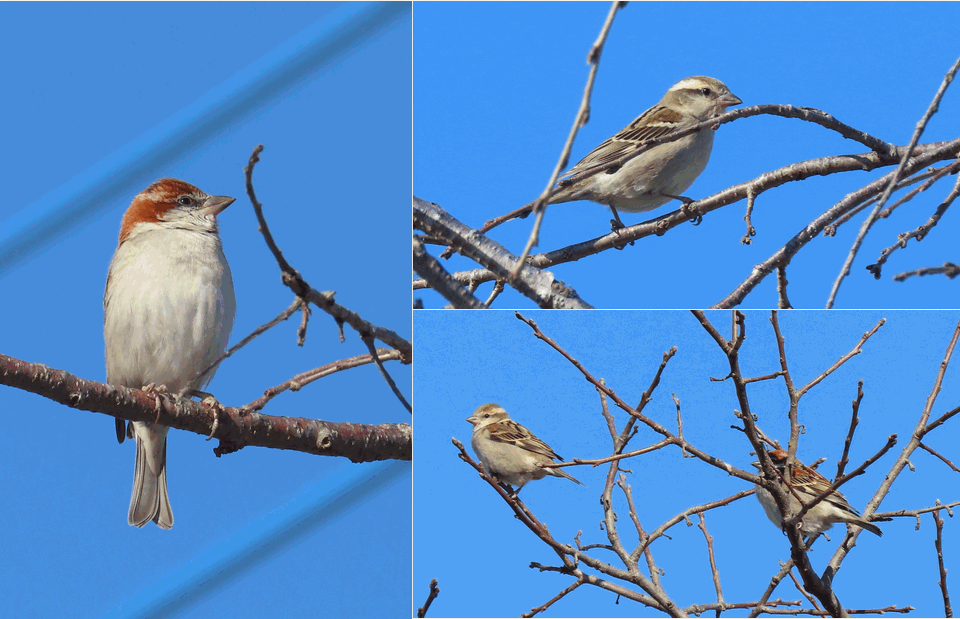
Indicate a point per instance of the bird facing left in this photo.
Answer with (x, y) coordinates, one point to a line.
(509, 451)
(168, 311)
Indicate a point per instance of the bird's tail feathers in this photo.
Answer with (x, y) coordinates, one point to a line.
(863, 524)
(562, 473)
(149, 499)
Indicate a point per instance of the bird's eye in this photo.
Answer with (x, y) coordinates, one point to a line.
(705, 92)
(184, 200)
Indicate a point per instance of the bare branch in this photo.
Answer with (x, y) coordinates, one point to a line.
(903, 460)
(782, 301)
(782, 257)
(234, 427)
(539, 609)
(854, 420)
(434, 592)
(583, 115)
(856, 350)
(440, 279)
(324, 300)
(297, 304)
(943, 459)
(860, 470)
(297, 382)
(368, 340)
(920, 232)
(947, 608)
(893, 180)
(540, 286)
(713, 560)
(949, 269)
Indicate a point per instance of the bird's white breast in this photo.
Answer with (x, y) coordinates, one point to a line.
(168, 309)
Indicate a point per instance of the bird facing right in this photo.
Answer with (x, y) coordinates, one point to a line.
(665, 171)
(807, 484)
(509, 451)
(168, 310)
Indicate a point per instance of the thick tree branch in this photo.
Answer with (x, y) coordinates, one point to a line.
(235, 427)
(540, 286)
(924, 155)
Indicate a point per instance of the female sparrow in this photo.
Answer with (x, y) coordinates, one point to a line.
(807, 485)
(168, 310)
(508, 451)
(658, 175)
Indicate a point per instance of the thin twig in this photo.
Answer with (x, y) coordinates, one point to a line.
(304, 378)
(676, 401)
(386, 375)
(916, 513)
(583, 115)
(297, 303)
(942, 458)
(803, 592)
(324, 300)
(678, 518)
(918, 233)
(761, 605)
(622, 456)
(892, 183)
(751, 231)
(902, 461)
(926, 180)
(938, 543)
(498, 287)
(854, 420)
(713, 560)
(539, 609)
(811, 230)
(949, 269)
(434, 592)
(856, 350)
(641, 534)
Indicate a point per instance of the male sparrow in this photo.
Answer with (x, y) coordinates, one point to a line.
(807, 484)
(168, 310)
(508, 451)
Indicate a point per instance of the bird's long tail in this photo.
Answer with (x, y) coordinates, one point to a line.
(149, 499)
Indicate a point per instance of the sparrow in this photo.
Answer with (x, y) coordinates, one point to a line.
(658, 175)
(168, 310)
(807, 484)
(510, 452)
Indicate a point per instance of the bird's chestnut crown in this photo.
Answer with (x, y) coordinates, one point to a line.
(176, 202)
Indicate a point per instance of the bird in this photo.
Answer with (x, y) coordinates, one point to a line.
(509, 451)
(658, 175)
(806, 485)
(168, 307)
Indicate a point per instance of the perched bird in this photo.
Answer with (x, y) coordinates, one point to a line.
(807, 484)
(168, 311)
(509, 451)
(658, 175)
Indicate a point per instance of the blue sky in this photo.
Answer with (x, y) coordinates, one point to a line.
(467, 537)
(497, 87)
(89, 84)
